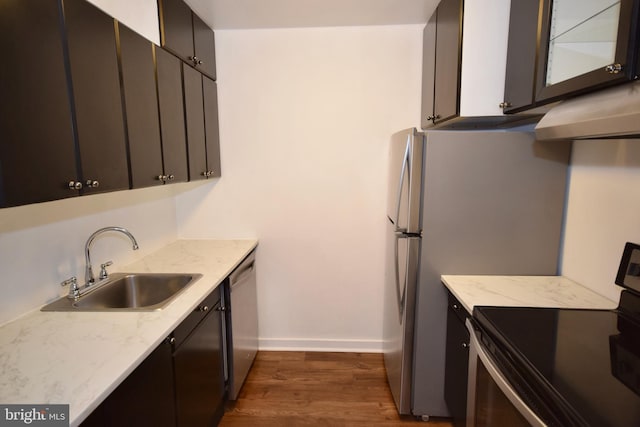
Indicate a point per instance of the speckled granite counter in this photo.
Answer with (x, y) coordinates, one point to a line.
(78, 358)
(524, 291)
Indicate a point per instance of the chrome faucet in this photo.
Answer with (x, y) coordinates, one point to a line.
(88, 273)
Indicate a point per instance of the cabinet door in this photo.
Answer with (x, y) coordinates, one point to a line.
(585, 46)
(176, 28)
(199, 374)
(448, 58)
(140, 100)
(204, 47)
(171, 104)
(194, 113)
(456, 364)
(521, 55)
(96, 93)
(428, 71)
(145, 397)
(210, 93)
(37, 152)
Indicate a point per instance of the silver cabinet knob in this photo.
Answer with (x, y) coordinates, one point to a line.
(204, 308)
(161, 178)
(92, 183)
(171, 177)
(75, 185)
(434, 117)
(207, 174)
(171, 340)
(465, 345)
(195, 60)
(504, 104)
(455, 306)
(613, 68)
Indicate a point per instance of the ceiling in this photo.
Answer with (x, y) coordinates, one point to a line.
(246, 14)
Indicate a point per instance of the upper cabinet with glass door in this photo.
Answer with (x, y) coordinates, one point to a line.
(586, 44)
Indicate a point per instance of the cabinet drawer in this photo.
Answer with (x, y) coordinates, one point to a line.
(199, 313)
(457, 308)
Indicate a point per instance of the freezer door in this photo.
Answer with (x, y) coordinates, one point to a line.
(405, 181)
(403, 254)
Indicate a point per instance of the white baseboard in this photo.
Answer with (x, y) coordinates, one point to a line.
(304, 344)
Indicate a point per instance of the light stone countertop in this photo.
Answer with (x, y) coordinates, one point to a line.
(524, 291)
(79, 358)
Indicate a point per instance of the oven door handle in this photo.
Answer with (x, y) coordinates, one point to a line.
(477, 352)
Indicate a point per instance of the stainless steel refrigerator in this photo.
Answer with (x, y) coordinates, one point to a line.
(460, 202)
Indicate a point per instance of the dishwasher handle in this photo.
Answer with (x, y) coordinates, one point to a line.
(246, 269)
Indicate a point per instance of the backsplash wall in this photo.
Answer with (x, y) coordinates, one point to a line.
(603, 211)
(43, 244)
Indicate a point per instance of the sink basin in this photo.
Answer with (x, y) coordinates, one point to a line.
(128, 292)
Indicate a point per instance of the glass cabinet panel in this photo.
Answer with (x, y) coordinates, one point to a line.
(585, 44)
(582, 37)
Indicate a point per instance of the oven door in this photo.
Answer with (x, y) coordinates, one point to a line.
(491, 400)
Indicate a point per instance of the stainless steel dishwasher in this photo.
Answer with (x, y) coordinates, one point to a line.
(243, 333)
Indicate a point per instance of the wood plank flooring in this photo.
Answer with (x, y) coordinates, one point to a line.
(317, 389)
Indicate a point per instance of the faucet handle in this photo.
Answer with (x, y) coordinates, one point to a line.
(103, 270)
(72, 282)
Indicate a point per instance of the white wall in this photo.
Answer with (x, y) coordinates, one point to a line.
(603, 211)
(305, 121)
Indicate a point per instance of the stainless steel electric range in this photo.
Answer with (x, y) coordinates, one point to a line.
(558, 367)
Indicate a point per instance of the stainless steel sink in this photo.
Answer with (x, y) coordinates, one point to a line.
(128, 292)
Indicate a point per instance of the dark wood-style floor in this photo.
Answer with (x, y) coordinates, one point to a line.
(317, 389)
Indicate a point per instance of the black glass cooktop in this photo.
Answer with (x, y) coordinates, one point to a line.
(587, 360)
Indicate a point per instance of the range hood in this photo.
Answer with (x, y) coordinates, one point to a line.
(608, 113)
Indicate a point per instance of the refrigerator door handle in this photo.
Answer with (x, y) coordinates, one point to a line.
(404, 171)
(400, 293)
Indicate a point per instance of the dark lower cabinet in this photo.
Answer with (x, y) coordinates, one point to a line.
(139, 94)
(95, 84)
(457, 362)
(37, 147)
(199, 373)
(145, 398)
(182, 383)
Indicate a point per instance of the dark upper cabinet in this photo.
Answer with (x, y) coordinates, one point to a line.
(37, 148)
(187, 36)
(448, 59)
(428, 71)
(442, 54)
(204, 46)
(572, 48)
(521, 55)
(194, 114)
(585, 46)
(171, 107)
(95, 84)
(201, 112)
(212, 134)
(140, 97)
